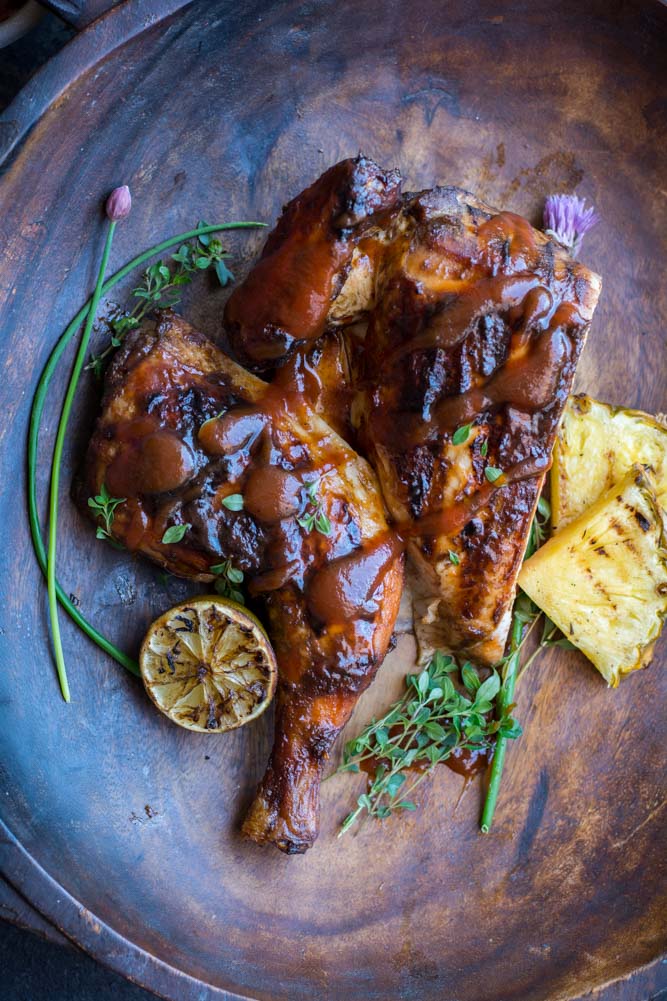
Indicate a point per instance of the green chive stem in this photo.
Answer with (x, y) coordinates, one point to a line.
(37, 411)
(505, 698)
(57, 462)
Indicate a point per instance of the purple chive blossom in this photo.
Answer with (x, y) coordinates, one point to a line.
(119, 204)
(568, 220)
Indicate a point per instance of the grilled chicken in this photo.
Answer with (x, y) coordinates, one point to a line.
(287, 296)
(478, 324)
(182, 427)
(474, 318)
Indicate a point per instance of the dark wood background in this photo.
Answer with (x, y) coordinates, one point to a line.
(120, 829)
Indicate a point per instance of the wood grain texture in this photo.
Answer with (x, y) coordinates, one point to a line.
(16, 910)
(223, 111)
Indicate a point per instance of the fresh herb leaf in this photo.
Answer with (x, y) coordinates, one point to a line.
(227, 577)
(233, 502)
(470, 678)
(492, 473)
(461, 434)
(431, 721)
(175, 533)
(322, 523)
(488, 690)
(104, 506)
(453, 558)
(160, 287)
(484, 450)
(223, 274)
(315, 518)
(539, 528)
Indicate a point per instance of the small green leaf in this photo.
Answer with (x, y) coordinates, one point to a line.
(311, 490)
(394, 783)
(453, 558)
(544, 508)
(492, 473)
(322, 523)
(235, 575)
(202, 263)
(435, 731)
(204, 238)
(488, 689)
(510, 728)
(461, 434)
(423, 682)
(175, 533)
(470, 678)
(484, 450)
(233, 502)
(223, 273)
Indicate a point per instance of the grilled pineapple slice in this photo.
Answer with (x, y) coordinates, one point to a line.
(603, 579)
(596, 446)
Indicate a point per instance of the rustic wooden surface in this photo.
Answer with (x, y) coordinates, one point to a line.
(122, 830)
(80, 13)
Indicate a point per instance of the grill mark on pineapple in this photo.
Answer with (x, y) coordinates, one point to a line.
(601, 551)
(599, 586)
(643, 522)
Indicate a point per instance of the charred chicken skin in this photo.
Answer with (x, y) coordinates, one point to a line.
(286, 298)
(182, 427)
(475, 319)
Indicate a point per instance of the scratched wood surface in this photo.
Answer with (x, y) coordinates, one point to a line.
(123, 830)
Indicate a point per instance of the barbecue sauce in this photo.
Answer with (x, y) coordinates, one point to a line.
(287, 296)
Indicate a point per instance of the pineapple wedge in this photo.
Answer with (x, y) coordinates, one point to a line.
(603, 579)
(596, 446)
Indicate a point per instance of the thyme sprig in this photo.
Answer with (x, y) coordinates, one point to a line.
(228, 578)
(104, 505)
(434, 719)
(427, 725)
(312, 516)
(161, 286)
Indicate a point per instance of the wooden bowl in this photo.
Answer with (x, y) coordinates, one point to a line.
(18, 20)
(122, 829)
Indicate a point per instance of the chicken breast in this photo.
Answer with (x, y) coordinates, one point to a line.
(473, 340)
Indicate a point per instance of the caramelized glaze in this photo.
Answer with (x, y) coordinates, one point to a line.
(287, 296)
(182, 428)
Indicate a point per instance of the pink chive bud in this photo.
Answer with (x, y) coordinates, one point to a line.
(568, 220)
(119, 204)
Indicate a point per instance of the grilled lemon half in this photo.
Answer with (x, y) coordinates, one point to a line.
(596, 446)
(602, 579)
(208, 665)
